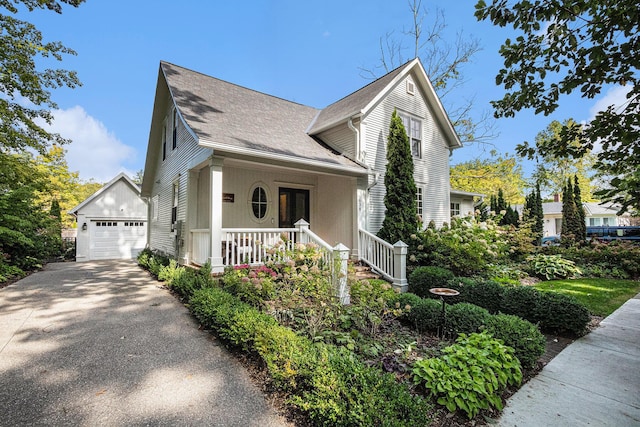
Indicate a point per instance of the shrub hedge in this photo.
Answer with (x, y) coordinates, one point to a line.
(424, 278)
(327, 382)
(465, 318)
(553, 312)
(523, 336)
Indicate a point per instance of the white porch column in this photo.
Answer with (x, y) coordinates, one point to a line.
(215, 170)
(340, 257)
(400, 266)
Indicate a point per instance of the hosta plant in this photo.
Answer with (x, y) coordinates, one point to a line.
(552, 266)
(471, 374)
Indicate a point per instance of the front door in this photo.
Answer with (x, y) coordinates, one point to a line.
(294, 205)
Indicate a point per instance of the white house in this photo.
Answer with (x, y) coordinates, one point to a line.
(462, 203)
(112, 222)
(226, 164)
(595, 214)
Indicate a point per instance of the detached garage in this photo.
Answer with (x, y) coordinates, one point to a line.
(112, 222)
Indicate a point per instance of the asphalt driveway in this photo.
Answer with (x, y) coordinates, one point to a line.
(99, 343)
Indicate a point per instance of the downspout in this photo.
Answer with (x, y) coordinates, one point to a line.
(357, 132)
(359, 159)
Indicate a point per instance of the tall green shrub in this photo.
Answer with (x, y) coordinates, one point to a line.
(523, 336)
(400, 219)
(424, 278)
(581, 225)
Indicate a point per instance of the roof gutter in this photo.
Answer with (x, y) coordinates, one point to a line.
(354, 171)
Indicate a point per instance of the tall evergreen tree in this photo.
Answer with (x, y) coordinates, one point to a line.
(569, 214)
(400, 219)
(533, 214)
(581, 227)
(501, 202)
(538, 213)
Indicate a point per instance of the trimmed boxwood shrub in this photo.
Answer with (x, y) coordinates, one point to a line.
(405, 299)
(523, 336)
(485, 293)
(465, 318)
(561, 313)
(424, 278)
(521, 301)
(426, 315)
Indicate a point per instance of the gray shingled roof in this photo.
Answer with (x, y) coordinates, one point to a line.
(227, 115)
(354, 103)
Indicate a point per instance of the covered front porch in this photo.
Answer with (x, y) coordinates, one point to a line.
(239, 212)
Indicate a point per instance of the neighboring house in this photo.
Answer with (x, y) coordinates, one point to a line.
(463, 203)
(112, 222)
(226, 164)
(595, 214)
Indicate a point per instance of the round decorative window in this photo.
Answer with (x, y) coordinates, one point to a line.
(259, 202)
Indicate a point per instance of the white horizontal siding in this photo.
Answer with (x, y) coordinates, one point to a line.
(342, 139)
(174, 168)
(432, 170)
(117, 201)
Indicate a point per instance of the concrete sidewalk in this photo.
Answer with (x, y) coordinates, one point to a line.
(595, 381)
(98, 343)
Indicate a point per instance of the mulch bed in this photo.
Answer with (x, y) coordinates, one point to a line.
(441, 416)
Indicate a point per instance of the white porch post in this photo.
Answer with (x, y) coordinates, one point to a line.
(302, 225)
(215, 170)
(340, 257)
(400, 266)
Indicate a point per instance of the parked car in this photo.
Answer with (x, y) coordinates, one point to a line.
(608, 233)
(550, 241)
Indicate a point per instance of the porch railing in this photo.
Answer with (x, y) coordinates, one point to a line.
(255, 246)
(201, 245)
(386, 259)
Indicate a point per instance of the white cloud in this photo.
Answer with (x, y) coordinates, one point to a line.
(94, 151)
(615, 96)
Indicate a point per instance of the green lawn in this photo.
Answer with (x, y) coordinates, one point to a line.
(601, 296)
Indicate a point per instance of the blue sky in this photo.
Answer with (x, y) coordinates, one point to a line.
(309, 52)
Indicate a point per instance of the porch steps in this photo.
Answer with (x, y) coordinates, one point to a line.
(361, 271)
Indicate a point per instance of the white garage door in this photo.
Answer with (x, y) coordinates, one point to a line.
(117, 239)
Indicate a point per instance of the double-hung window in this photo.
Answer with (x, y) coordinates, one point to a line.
(419, 201)
(174, 136)
(455, 209)
(174, 206)
(164, 142)
(413, 127)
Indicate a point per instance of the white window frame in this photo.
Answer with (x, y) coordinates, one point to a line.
(455, 207)
(174, 133)
(419, 201)
(164, 141)
(413, 127)
(266, 202)
(175, 199)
